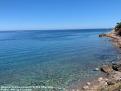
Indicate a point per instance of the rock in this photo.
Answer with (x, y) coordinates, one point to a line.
(88, 83)
(85, 87)
(103, 83)
(100, 79)
(116, 76)
(102, 35)
(116, 67)
(106, 68)
(106, 79)
(111, 82)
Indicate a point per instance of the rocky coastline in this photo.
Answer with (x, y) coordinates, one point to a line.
(110, 82)
(112, 79)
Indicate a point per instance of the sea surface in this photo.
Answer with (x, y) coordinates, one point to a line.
(53, 57)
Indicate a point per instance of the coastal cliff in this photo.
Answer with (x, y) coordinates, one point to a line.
(112, 79)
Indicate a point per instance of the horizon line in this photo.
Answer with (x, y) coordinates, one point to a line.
(52, 29)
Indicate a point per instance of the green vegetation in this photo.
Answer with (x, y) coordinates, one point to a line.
(118, 26)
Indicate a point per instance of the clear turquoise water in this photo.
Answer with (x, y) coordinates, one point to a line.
(54, 58)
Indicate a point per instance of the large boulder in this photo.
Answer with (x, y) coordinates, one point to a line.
(106, 68)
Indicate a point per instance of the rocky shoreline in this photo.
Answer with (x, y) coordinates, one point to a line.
(112, 79)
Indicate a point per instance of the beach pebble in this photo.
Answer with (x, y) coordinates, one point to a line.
(73, 89)
(100, 79)
(88, 83)
(106, 79)
(85, 87)
(105, 83)
(77, 90)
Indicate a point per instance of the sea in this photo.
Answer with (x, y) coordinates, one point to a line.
(58, 58)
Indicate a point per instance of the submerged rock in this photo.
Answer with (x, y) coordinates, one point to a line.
(96, 69)
(102, 35)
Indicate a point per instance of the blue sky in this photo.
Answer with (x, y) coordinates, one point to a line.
(58, 14)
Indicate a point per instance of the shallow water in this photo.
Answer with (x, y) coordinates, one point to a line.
(53, 57)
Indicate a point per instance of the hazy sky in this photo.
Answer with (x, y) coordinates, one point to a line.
(58, 14)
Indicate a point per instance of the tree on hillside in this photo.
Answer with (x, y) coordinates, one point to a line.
(118, 27)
